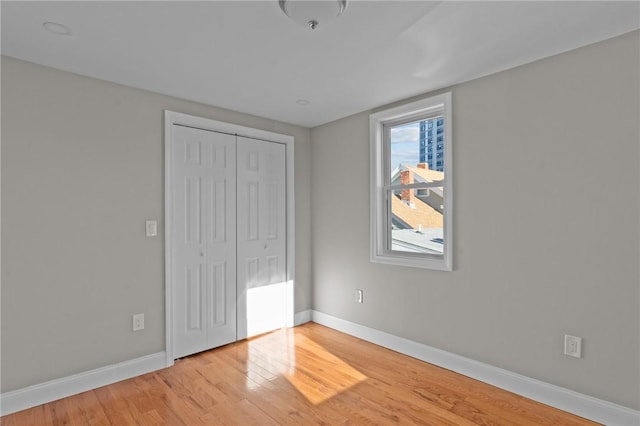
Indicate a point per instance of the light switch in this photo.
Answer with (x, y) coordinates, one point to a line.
(152, 228)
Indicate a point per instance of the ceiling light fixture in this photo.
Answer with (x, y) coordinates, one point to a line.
(303, 102)
(55, 28)
(312, 13)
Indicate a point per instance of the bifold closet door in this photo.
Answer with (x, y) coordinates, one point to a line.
(204, 239)
(261, 237)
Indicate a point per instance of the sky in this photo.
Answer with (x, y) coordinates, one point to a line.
(405, 145)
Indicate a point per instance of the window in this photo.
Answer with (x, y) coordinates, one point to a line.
(411, 200)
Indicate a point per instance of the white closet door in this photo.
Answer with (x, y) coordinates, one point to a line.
(204, 240)
(261, 236)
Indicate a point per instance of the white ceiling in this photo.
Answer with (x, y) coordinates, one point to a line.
(248, 56)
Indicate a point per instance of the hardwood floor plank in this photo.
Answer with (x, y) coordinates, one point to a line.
(405, 404)
(289, 408)
(41, 415)
(90, 409)
(310, 375)
(238, 413)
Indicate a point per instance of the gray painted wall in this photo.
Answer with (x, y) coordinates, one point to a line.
(82, 169)
(546, 225)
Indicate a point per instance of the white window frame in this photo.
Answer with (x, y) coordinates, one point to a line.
(380, 204)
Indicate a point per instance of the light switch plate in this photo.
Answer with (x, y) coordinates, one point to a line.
(152, 228)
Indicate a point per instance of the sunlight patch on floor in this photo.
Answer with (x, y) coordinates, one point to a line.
(315, 372)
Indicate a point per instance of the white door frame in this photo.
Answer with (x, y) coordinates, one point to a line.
(171, 118)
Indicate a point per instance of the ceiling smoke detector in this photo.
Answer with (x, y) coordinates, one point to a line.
(310, 13)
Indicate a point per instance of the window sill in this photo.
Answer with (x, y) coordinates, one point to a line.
(438, 263)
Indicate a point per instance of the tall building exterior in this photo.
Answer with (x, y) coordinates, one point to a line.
(432, 143)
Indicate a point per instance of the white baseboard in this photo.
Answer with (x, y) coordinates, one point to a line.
(35, 395)
(564, 399)
(302, 317)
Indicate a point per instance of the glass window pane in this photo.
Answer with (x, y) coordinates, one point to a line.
(405, 147)
(413, 145)
(417, 220)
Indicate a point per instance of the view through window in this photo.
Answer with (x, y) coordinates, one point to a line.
(416, 186)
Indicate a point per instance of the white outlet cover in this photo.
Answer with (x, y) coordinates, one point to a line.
(573, 346)
(138, 322)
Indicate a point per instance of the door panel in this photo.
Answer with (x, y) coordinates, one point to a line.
(261, 201)
(218, 295)
(204, 251)
(193, 303)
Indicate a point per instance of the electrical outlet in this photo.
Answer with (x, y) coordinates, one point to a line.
(573, 346)
(138, 322)
(151, 228)
(359, 295)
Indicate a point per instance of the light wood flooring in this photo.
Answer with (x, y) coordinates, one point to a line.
(310, 375)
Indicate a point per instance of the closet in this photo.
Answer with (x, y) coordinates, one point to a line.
(228, 237)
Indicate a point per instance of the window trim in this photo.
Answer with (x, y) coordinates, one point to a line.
(379, 217)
